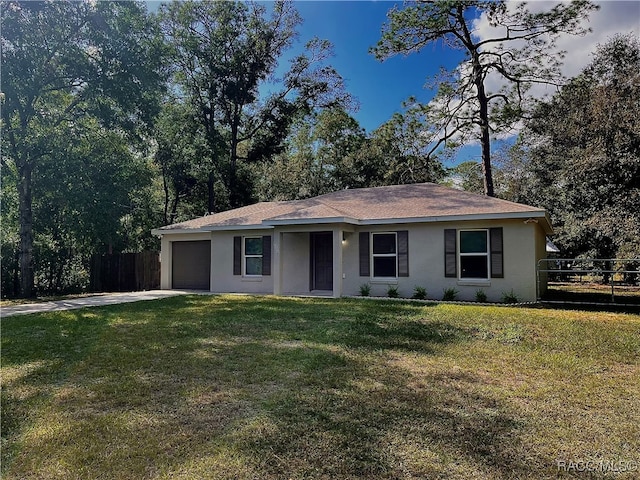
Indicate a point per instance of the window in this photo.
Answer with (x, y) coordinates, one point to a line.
(474, 254)
(387, 253)
(253, 255)
(384, 257)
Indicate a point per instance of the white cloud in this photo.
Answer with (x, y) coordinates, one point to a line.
(612, 18)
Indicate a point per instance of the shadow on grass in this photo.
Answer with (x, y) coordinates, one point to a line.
(38, 352)
(593, 297)
(228, 388)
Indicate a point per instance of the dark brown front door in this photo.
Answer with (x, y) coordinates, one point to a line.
(322, 261)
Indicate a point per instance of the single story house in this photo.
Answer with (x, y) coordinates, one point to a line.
(405, 236)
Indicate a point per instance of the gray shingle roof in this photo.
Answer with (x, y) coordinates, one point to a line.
(368, 205)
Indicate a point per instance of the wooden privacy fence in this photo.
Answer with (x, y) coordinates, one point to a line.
(125, 272)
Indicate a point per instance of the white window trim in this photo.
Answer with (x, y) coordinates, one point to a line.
(373, 255)
(245, 256)
(473, 280)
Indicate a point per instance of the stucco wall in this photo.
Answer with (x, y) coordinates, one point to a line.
(222, 278)
(426, 262)
(295, 263)
(523, 245)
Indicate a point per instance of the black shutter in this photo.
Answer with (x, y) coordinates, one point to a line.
(266, 255)
(450, 261)
(237, 255)
(403, 253)
(364, 254)
(497, 260)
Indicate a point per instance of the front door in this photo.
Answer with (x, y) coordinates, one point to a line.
(322, 261)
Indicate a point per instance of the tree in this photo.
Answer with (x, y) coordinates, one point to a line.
(330, 151)
(318, 159)
(181, 147)
(583, 155)
(466, 176)
(225, 52)
(521, 53)
(63, 61)
(399, 152)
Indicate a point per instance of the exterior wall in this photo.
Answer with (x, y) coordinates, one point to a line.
(426, 262)
(295, 263)
(541, 252)
(523, 245)
(222, 278)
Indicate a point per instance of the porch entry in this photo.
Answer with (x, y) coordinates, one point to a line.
(321, 261)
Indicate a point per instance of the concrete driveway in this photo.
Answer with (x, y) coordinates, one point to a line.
(93, 301)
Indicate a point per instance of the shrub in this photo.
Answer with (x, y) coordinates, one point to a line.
(365, 290)
(420, 293)
(481, 296)
(450, 294)
(510, 297)
(392, 291)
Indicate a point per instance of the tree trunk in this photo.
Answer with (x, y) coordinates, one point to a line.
(211, 204)
(25, 212)
(234, 197)
(485, 138)
(165, 186)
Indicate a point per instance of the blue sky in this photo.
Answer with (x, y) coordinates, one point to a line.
(380, 87)
(353, 27)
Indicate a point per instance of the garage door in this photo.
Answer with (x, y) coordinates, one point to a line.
(191, 265)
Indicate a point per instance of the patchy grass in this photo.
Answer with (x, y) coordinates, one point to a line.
(248, 387)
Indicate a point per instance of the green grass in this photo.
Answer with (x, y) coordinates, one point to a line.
(247, 387)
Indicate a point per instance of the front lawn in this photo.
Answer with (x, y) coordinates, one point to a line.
(256, 387)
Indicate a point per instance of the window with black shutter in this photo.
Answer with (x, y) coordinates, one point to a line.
(474, 253)
(384, 254)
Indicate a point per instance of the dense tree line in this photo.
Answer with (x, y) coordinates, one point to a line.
(116, 120)
(80, 83)
(579, 156)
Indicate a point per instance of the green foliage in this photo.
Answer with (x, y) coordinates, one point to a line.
(467, 176)
(224, 53)
(579, 158)
(329, 151)
(81, 84)
(481, 296)
(419, 293)
(365, 290)
(401, 151)
(450, 294)
(510, 297)
(463, 109)
(392, 291)
(184, 161)
(318, 158)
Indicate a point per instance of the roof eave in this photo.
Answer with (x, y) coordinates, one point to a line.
(310, 221)
(535, 214)
(541, 217)
(159, 232)
(223, 228)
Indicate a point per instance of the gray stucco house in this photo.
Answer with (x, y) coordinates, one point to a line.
(403, 235)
